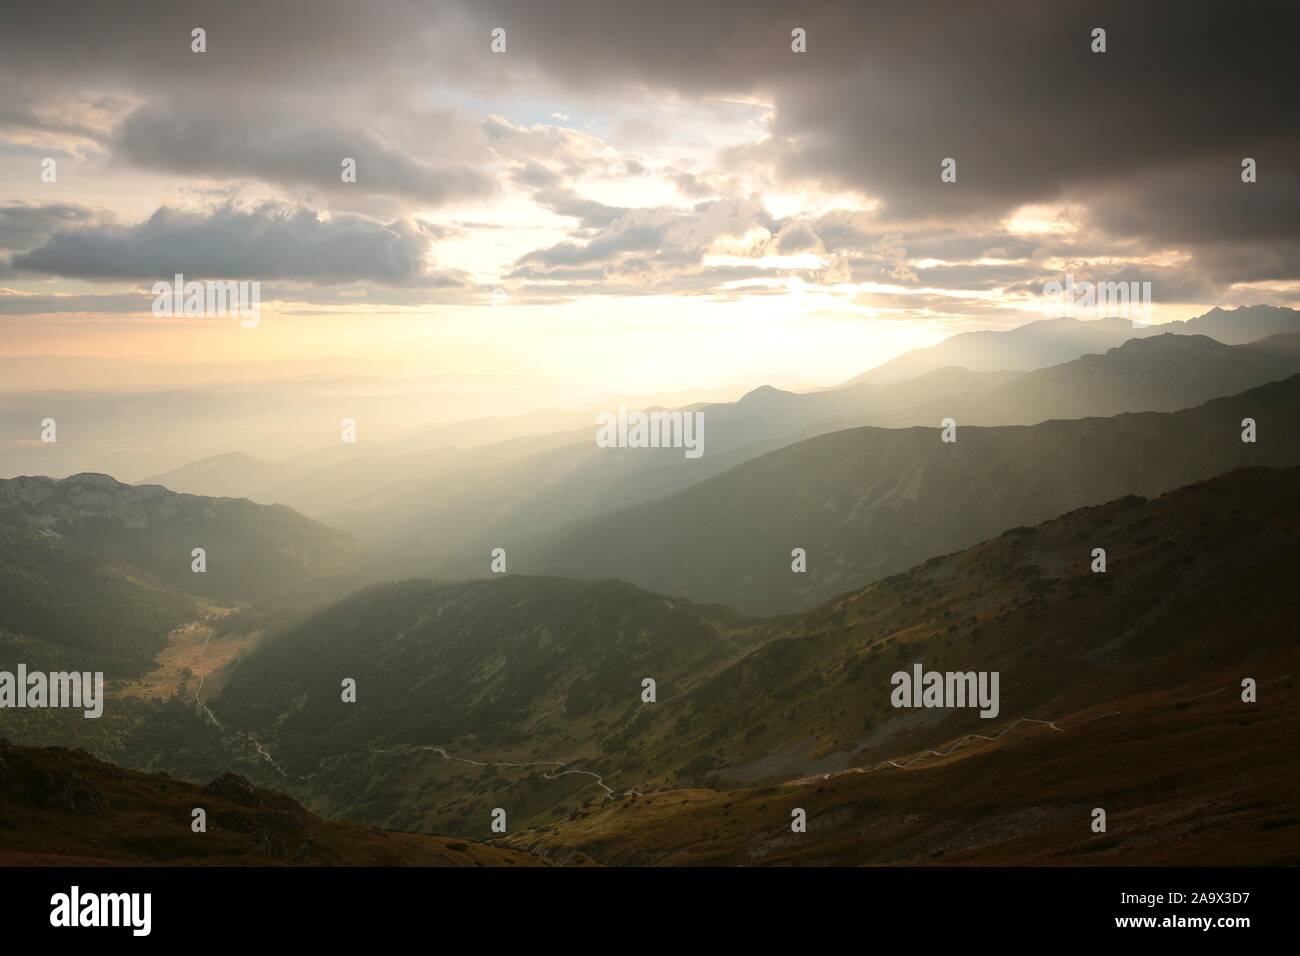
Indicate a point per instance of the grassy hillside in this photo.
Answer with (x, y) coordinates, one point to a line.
(1119, 690)
(510, 670)
(64, 807)
(524, 693)
(64, 598)
(1185, 780)
(252, 550)
(94, 574)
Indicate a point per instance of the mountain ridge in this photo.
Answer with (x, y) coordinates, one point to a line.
(868, 502)
(1047, 342)
(788, 698)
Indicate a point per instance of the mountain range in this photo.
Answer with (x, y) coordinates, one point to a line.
(1124, 690)
(1114, 535)
(1159, 373)
(528, 693)
(1053, 341)
(868, 502)
(448, 519)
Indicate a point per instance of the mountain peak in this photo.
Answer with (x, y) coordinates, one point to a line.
(1185, 341)
(763, 393)
(92, 479)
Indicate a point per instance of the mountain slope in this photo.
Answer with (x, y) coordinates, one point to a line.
(514, 669)
(252, 550)
(1158, 373)
(76, 608)
(450, 524)
(442, 511)
(1184, 782)
(447, 524)
(1120, 690)
(524, 693)
(865, 503)
(320, 481)
(94, 574)
(1053, 341)
(65, 808)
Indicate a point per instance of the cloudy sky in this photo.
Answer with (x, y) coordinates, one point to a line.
(632, 195)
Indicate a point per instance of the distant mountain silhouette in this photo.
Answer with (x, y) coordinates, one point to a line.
(869, 502)
(1053, 341)
(321, 481)
(441, 511)
(1161, 373)
(447, 523)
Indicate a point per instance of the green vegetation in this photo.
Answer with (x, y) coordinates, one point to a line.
(59, 594)
(90, 564)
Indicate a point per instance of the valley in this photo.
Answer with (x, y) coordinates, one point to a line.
(196, 654)
(1049, 683)
(727, 436)
(803, 701)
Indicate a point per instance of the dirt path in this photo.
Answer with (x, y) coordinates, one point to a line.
(902, 763)
(610, 793)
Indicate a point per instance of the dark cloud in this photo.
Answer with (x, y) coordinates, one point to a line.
(1175, 284)
(885, 91)
(251, 47)
(271, 241)
(1202, 202)
(1146, 138)
(290, 152)
(589, 213)
(25, 225)
(280, 95)
(979, 277)
(1152, 131)
(798, 238)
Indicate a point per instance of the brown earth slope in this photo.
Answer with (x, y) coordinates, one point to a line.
(1120, 691)
(63, 807)
(1184, 782)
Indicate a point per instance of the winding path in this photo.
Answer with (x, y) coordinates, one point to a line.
(901, 763)
(911, 759)
(610, 793)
